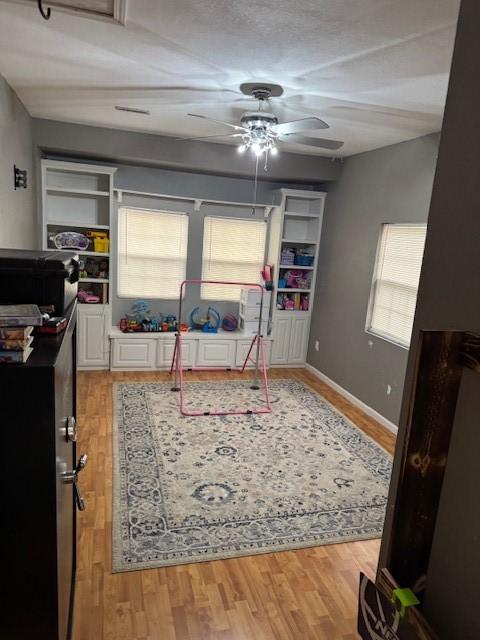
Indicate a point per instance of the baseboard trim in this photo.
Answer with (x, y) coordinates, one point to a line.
(353, 399)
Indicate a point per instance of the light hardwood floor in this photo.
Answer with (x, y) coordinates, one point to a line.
(290, 595)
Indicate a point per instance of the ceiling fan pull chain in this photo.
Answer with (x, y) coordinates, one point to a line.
(45, 13)
(255, 185)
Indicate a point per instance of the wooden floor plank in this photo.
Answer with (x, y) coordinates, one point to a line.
(292, 595)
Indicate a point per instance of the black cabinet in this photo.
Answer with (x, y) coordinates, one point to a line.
(37, 479)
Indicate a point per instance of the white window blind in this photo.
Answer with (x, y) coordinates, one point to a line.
(233, 250)
(395, 282)
(152, 253)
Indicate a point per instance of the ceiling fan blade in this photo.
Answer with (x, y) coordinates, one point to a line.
(305, 124)
(226, 124)
(323, 143)
(219, 135)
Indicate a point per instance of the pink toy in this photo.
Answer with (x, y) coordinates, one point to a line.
(304, 302)
(292, 278)
(87, 297)
(289, 305)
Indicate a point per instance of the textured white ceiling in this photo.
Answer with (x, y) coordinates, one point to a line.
(375, 70)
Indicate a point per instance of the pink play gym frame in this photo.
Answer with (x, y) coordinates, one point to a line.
(259, 362)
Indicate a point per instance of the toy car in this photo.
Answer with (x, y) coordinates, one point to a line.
(87, 297)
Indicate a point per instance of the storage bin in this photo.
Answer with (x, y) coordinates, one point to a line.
(253, 313)
(252, 297)
(304, 260)
(251, 326)
(282, 283)
(287, 257)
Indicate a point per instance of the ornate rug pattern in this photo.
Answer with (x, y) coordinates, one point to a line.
(187, 490)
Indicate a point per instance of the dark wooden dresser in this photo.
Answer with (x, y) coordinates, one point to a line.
(39, 496)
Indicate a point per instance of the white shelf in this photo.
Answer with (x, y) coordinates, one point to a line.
(100, 280)
(80, 225)
(293, 241)
(186, 335)
(300, 215)
(92, 253)
(78, 192)
(295, 266)
(294, 290)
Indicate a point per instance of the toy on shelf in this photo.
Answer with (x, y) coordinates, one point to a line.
(292, 277)
(305, 302)
(82, 272)
(71, 240)
(140, 319)
(87, 297)
(101, 243)
(171, 322)
(207, 324)
(229, 322)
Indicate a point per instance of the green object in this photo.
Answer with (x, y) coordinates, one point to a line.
(406, 598)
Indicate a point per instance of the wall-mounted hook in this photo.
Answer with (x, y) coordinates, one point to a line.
(44, 13)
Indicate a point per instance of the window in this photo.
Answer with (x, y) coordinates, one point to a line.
(152, 253)
(395, 281)
(233, 249)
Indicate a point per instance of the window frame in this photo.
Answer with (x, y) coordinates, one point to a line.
(248, 220)
(373, 286)
(118, 252)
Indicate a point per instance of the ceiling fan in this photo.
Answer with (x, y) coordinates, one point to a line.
(260, 131)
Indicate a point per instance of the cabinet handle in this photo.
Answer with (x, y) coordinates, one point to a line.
(71, 430)
(71, 477)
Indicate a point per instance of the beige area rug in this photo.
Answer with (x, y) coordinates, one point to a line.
(194, 489)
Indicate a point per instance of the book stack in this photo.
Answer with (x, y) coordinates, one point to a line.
(16, 326)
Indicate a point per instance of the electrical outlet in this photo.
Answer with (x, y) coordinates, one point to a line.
(317, 345)
(389, 389)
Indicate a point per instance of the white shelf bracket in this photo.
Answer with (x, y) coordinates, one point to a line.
(119, 196)
(266, 212)
(197, 204)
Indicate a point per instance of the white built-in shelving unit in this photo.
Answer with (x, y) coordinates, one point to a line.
(296, 223)
(78, 198)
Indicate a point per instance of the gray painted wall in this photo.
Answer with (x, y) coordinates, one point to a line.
(134, 148)
(392, 184)
(17, 208)
(449, 298)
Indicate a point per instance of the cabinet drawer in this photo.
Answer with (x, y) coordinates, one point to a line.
(165, 352)
(216, 353)
(242, 349)
(133, 354)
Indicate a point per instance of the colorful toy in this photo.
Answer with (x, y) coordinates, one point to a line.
(100, 239)
(171, 322)
(229, 322)
(292, 277)
(208, 324)
(305, 302)
(139, 311)
(87, 297)
(141, 319)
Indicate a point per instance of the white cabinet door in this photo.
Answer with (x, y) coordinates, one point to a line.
(165, 352)
(281, 340)
(298, 340)
(242, 349)
(133, 354)
(92, 336)
(216, 353)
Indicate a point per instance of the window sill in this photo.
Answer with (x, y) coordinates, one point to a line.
(387, 339)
